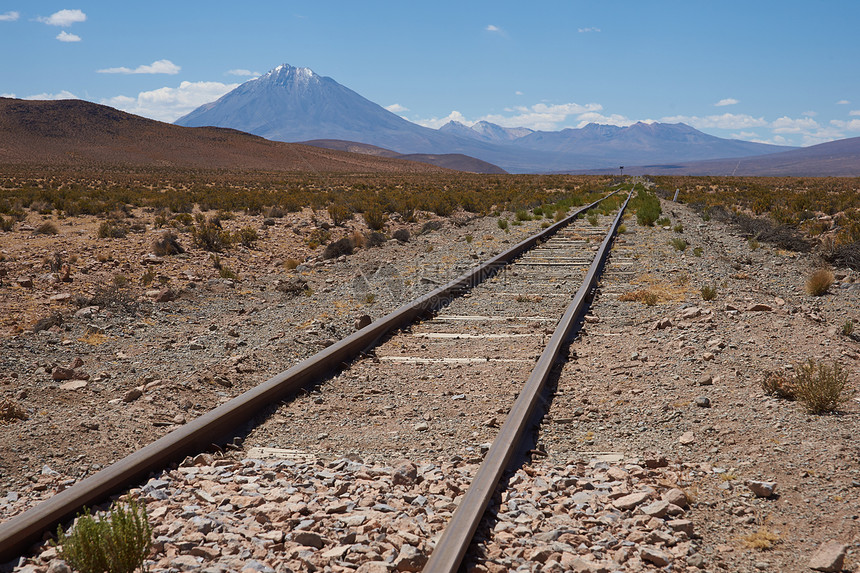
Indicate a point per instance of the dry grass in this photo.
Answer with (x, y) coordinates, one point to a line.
(645, 296)
(761, 539)
(777, 383)
(819, 282)
(11, 411)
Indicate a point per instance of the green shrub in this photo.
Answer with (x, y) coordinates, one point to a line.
(662, 222)
(592, 219)
(208, 234)
(698, 251)
(523, 215)
(375, 218)
(678, 243)
(503, 224)
(117, 542)
(7, 224)
(647, 207)
(339, 213)
(709, 292)
(819, 387)
(246, 236)
(112, 229)
(848, 327)
(753, 243)
(679, 228)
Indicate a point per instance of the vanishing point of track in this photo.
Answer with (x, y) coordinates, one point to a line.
(553, 257)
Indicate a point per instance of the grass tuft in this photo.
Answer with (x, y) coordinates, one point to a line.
(819, 282)
(820, 387)
(118, 541)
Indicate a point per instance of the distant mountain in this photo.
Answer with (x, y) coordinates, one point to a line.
(839, 158)
(83, 134)
(295, 104)
(486, 131)
(456, 161)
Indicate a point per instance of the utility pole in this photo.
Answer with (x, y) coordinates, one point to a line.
(622, 172)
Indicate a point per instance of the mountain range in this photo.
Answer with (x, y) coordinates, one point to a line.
(296, 104)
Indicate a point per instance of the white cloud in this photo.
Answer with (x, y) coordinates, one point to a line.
(169, 104)
(436, 123)
(843, 102)
(614, 119)
(157, 67)
(66, 37)
(396, 108)
(788, 125)
(64, 94)
(854, 112)
(9, 16)
(491, 28)
(518, 92)
(809, 113)
(64, 18)
(540, 116)
(7, 95)
(588, 30)
(852, 125)
(724, 121)
(727, 101)
(243, 73)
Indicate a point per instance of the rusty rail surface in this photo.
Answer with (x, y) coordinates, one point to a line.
(457, 536)
(20, 532)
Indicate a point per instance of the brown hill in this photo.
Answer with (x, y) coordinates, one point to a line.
(457, 161)
(80, 133)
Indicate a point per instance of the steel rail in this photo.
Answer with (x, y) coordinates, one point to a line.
(18, 533)
(457, 535)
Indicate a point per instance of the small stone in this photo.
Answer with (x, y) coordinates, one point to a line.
(706, 380)
(696, 560)
(631, 500)
(132, 395)
(60, 373)
(708, 356)
(703, 402)
(679, 525)
(656, 509)
(410, 559)
(63, 296)
(308, 538)
(25, 282)
(675, 496)
(363, 321)
(58, 566)
(686, 439)
(166, 295)
(421, 427)
(655, 556)
(692, 312)
(405, 473)
(760, 308)
(761, 488)
(663, 324)
(73, 385)
(830, 557)
(373, 567)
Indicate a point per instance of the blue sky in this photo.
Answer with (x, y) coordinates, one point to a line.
(783, 72)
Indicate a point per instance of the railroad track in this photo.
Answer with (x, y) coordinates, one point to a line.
(484, 350)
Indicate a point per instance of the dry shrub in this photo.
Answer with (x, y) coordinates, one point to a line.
(819, 282)
(777, 383)
(761, 539)
(11, 411)
(821, 387)
(644, 296)
(709, 292)
(167, 243)
(402, 235)
(292, 263)
(337, 248)
(46, 228)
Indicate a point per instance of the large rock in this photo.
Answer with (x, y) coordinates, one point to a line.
(830, 557)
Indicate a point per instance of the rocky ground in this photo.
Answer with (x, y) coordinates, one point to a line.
(660, 443)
